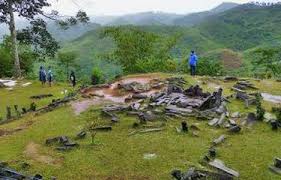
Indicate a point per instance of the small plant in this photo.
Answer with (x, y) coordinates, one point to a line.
(260, 109)
(277, 111)
(96, 76)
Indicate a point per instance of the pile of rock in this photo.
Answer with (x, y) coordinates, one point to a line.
(63, 143)
(244, 85)
(174, 101)
(2, 85)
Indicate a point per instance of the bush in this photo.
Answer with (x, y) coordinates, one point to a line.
(210, 67)
(97, 76)
(152, 64)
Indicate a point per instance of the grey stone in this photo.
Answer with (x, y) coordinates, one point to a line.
(235, 129)
(235, 115)
(213, 122)
(219, 140)
(218, 164)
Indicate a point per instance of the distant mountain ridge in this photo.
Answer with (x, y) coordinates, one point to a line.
(197, 18)
(162, 18)
(146, 18)
(138, 19)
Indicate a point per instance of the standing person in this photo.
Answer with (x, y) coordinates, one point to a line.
(50, 76)
(72, 78)
(193, 63)
(42, 75)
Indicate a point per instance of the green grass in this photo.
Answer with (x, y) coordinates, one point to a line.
(119, 156)
(21, 95)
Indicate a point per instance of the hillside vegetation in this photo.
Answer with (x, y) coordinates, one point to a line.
(227, 35)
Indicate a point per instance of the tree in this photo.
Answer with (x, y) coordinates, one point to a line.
(268, 60)
(141, 51)
(67, 59)
(26, 55)
(30, 9)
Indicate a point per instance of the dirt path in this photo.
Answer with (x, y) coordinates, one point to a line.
(32, 151)
(7, 132)
(111, 93)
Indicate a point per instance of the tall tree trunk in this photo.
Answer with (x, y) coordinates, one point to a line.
(12, 26)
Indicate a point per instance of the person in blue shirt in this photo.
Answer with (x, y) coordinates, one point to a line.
(193, 63)
(42, 75)
(50, 76)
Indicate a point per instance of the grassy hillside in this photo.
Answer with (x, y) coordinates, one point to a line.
(91, 47)
(244, 27)
(226, 35)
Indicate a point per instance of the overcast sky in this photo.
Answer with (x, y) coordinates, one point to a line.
(119, 7)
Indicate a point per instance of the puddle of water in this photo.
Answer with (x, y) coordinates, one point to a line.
(113, 93)
(271, 98)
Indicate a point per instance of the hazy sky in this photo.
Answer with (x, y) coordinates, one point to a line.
(119, 7)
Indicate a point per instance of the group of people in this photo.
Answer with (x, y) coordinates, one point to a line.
(48, 76)
(45, 76)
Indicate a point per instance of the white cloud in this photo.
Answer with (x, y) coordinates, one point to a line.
(117, 7)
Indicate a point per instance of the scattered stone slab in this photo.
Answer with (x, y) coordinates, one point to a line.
(276, 168)
(7, 173)
(195, 174)
(235, 115)
(81, 135)
(271, 98)
(230, 78)
(151, 130)
(26, 84)
(244, 85)
(213, 101)
(116, 107)
(218, 164)
(149, 156)
(251, 119)
(219, 140)
(2, 85)
(212, 152)
(102, 128)
(232, 122)
(213, 122)
(177, 110)
(235, 129)
(63, 143)
(147, 116)
(274, 125)
(139, 96)
(41, 96)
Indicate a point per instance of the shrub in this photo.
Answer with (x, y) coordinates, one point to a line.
(260, 110)
(152, 64)
(210, 67)
(97, 76)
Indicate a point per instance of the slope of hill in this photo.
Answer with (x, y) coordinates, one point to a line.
(197, 18)
(71, 33)
(146, 18)
(244, 27)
